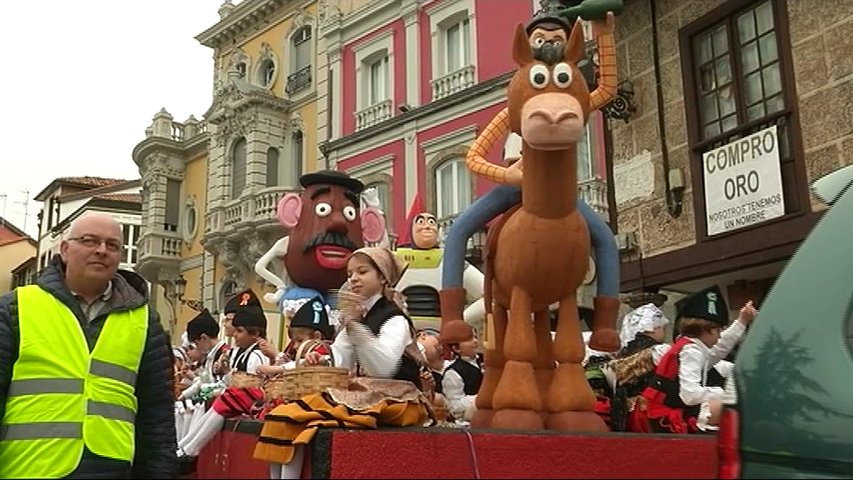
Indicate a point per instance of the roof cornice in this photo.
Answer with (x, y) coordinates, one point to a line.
(245, 16)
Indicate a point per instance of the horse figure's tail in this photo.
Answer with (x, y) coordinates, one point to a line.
(489, 253)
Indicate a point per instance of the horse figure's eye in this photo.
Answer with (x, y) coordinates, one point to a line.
(539, 76)
(562, 75)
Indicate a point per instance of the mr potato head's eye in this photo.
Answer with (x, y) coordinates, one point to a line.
(432, 222)
(350, 213)
(323, 209)
(419, 221)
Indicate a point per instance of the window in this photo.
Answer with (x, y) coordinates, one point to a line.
(377, 81)
(458, 46)
(173, 194)
(238, 168)
(382, 192)
(130, 234)
(241, 69)
(586, 166)
(738, 80)
(453, 188)
(300, 64)
(266, 73)
(190, 221)
(302, 48)
(298, 152)
(737, 71)
(272, 167)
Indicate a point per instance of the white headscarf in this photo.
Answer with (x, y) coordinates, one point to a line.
(643, 319)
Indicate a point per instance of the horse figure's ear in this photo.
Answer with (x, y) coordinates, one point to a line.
(575, 50)
(521, 51)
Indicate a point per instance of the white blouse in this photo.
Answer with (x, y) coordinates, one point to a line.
(379, 355)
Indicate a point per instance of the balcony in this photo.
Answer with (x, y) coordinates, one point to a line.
(372, 115)
(594, 193)
(299, 80)
(453, 82)
(159, 254)
(232, 220)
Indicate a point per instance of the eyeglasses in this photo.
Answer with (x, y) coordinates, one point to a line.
(95, 242)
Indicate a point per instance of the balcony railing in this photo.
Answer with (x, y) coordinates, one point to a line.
(453, 82)
(158, 250)
(372, 115)
(252, 211)
(298, 80)
(594, 193)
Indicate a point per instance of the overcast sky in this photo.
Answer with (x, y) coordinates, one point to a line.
(81, 80)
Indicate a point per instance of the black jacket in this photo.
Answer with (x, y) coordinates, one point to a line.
(155, 417)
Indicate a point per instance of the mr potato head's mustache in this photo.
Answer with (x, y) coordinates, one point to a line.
(330, 238)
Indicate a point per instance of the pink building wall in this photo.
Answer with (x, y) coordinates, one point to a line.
(496, 21)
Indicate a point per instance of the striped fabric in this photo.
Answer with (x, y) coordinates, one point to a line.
(295, 423)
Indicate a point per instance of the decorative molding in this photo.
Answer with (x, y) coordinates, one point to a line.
(248, 15)
(296, 123)
(450, 139)
(191, 263)
(329, 12)
(301, 19)
(267, 54)
(383, 164)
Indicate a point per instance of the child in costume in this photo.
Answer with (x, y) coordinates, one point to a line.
(679, 399)
(462, 378)
(380, 341)
(548, 33)
(309, 331)
(620, 380)
(202, 334)
(250, 326)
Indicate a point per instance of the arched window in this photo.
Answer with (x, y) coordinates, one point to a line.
(452, 187)
(238, 168)
(229, 288)
(272, 167)
(382, 192)
(298, 154)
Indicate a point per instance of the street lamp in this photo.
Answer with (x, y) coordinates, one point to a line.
(180, 287)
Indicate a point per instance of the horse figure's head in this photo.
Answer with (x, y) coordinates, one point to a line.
(548, 98)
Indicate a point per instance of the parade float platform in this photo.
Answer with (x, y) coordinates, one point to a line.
(453, 453)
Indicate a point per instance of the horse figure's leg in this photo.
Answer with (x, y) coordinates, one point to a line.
(570, 398)
(517, 402)
(543, 365)
(494, 364)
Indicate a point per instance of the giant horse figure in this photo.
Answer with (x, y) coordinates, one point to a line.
(538, 253)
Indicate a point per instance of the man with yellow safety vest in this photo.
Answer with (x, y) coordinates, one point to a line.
(85, 368)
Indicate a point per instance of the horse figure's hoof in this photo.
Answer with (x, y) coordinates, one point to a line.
(512, 419)
(482, 418)
(605, 340)
(576, 422)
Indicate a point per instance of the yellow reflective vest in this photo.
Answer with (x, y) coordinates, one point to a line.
(62, 396)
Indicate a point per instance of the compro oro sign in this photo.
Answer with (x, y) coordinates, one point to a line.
(743, 182)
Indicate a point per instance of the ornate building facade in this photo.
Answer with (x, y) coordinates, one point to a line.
(211, 187)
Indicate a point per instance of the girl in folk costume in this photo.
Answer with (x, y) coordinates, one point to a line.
(679, 399)
(250, 326)
(462, 378)
(378, 337)
(632, 367)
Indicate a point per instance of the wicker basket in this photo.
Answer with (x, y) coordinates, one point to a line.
(245, 380)
(301, 381)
